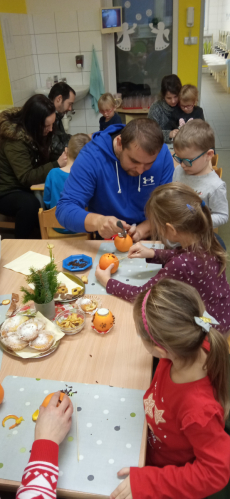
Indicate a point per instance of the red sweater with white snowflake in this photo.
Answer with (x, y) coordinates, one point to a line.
(188, 453)
(40, 476)
(200, 271)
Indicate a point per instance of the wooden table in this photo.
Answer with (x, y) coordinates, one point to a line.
(37, 187)
(117, 359)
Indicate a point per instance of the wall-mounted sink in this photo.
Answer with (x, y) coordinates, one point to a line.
(81, 91)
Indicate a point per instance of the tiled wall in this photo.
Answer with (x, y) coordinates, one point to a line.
(16, 29)
(61, 30)
(217, 17)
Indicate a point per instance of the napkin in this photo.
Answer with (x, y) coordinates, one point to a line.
(63, 279)
(29, 259)
(28, 353)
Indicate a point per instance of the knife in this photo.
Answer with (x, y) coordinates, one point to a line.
(123, 231)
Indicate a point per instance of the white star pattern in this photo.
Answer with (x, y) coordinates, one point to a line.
(149, 404)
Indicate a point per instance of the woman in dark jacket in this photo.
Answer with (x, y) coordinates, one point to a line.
(25, 138)
(162, 110)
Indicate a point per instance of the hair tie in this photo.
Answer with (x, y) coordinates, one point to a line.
(145, 321)
(202, 204)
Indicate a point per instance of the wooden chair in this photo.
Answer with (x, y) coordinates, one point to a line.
(218, 171)
(7, 222)
(215, 160)
(48, 222)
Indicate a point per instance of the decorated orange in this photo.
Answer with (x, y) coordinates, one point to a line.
(1, 394)
(47, 399)
(106, 260)
(123, 243)
(103, 320)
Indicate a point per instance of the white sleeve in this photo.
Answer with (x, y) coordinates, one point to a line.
(218, 205)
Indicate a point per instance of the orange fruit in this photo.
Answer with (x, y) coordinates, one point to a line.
(103, 319)
(106, 260)
(1, 394)
(48, 398)
(123, 243)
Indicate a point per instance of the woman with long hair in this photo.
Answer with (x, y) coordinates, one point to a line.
(25, 138)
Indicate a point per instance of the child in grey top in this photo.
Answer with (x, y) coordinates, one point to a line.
(194, 147)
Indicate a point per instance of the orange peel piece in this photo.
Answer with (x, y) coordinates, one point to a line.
(17, 421)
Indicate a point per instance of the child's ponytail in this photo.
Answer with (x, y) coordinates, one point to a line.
(217, 365)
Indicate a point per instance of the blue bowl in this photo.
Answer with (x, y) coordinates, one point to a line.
(77, 263)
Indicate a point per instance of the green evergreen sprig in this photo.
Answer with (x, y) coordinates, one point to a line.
(45, 282)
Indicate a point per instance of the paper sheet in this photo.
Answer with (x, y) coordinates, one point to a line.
(28, 353)
(29, 259)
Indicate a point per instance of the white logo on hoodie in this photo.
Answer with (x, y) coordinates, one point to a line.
(148, 181)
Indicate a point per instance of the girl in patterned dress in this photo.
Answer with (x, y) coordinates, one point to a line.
(188, 451)
(177, 214)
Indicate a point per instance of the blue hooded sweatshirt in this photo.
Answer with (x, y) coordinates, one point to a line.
(98, 181)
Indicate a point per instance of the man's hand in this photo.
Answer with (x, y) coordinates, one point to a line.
(138, 250)
(107, 226)
(54, 422)
(103, 276)
(62, 160)
(123, 491)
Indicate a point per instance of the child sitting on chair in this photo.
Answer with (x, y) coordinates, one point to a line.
(187, 108)
(55, 180)
(194, 148)
(107, 106)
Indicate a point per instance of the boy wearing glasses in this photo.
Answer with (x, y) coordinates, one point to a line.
(194, 148)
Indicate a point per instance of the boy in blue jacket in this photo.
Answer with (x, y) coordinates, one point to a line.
(114, 176)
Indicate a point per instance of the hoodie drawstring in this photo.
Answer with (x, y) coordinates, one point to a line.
(118, 181)
(139, 186)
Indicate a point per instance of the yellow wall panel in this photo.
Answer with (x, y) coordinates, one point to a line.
(12, 7)
(188, 55)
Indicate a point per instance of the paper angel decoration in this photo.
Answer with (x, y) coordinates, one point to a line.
(125, 43)
(161, 32)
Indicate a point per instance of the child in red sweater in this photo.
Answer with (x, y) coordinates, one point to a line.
(188, 451)
(176, 213)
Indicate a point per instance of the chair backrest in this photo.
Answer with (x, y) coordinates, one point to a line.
(47, 220)
(215, 160)
(218, 171)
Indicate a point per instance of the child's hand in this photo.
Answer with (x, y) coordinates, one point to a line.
(123, 491)
(138, 250)
(173, 133)
(103, 276)
(54, 422)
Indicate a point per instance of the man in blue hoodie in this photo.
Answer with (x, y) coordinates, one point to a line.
(114, 176)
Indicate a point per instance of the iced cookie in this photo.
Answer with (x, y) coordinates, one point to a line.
(43, 342)
(14, 342)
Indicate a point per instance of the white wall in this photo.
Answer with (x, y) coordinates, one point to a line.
(61, 30)
(217, 17)
(16, 29)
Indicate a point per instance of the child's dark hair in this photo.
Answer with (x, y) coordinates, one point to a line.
(179, 205)
(196, 133)
(170, 310)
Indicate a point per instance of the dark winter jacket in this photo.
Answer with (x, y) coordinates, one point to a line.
(60, 138)
(20, 162)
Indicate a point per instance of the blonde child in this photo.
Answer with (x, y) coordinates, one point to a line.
(187, 108)
(194, 149)
(56, 178)
(107, 106)
(188, 451)
(177, 214)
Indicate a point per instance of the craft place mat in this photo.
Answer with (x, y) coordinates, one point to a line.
(3, 310)
(110, 426)
(135, 272)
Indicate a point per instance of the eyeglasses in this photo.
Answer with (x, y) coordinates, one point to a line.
(187, 162)
(190, 106)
